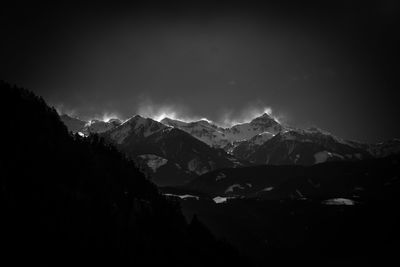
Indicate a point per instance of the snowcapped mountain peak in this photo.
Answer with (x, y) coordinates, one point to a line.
(177, 123)
(136, 126)
(216, 136)
(148, 125)
(264, 120)
(265, 115)
(203, 130)
(114, 121)
(316, 136)
(262, 124)
(76, 125)
(97, 126)
(204, 122)
(299, 146)
(135, 119)
(173, 122)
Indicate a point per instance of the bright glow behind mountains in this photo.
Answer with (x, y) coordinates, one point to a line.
(147, 109)
(227, 119)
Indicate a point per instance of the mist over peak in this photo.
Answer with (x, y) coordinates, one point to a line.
(224, 117)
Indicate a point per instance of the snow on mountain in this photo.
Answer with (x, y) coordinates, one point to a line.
(187, 146)
(98, 126)
(264, 124)
(255, 141)
(177, 156)
(339, 201)
(76, 125)
(154, 162)
(300, 147)
(323, 156)
(227, 138)
(136, 126)
(206, 132)
(261, 138)
(232, 188)
(245, 148)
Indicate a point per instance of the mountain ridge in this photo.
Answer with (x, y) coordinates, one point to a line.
(173, 155)
(261, 141)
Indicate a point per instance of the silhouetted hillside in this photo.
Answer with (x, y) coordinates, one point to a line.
(68, 200)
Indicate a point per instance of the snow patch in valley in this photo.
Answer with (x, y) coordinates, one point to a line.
(232, 187)
(267, 189)
(323, 156)
(219, 200)
(153, 161)
(339, 201)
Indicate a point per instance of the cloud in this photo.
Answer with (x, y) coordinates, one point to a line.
(158, 111)
(226, 118)
(106, 116)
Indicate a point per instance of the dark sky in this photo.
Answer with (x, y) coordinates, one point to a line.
(334, 65)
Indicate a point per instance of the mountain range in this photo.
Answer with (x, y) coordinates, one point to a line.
(282, 196)
(174, 152)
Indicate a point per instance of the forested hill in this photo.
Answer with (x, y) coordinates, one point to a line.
(68, 200)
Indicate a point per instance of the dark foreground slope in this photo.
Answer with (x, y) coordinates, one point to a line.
(67, 200)
(330, 214)
(360, 180)
(305, 233)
